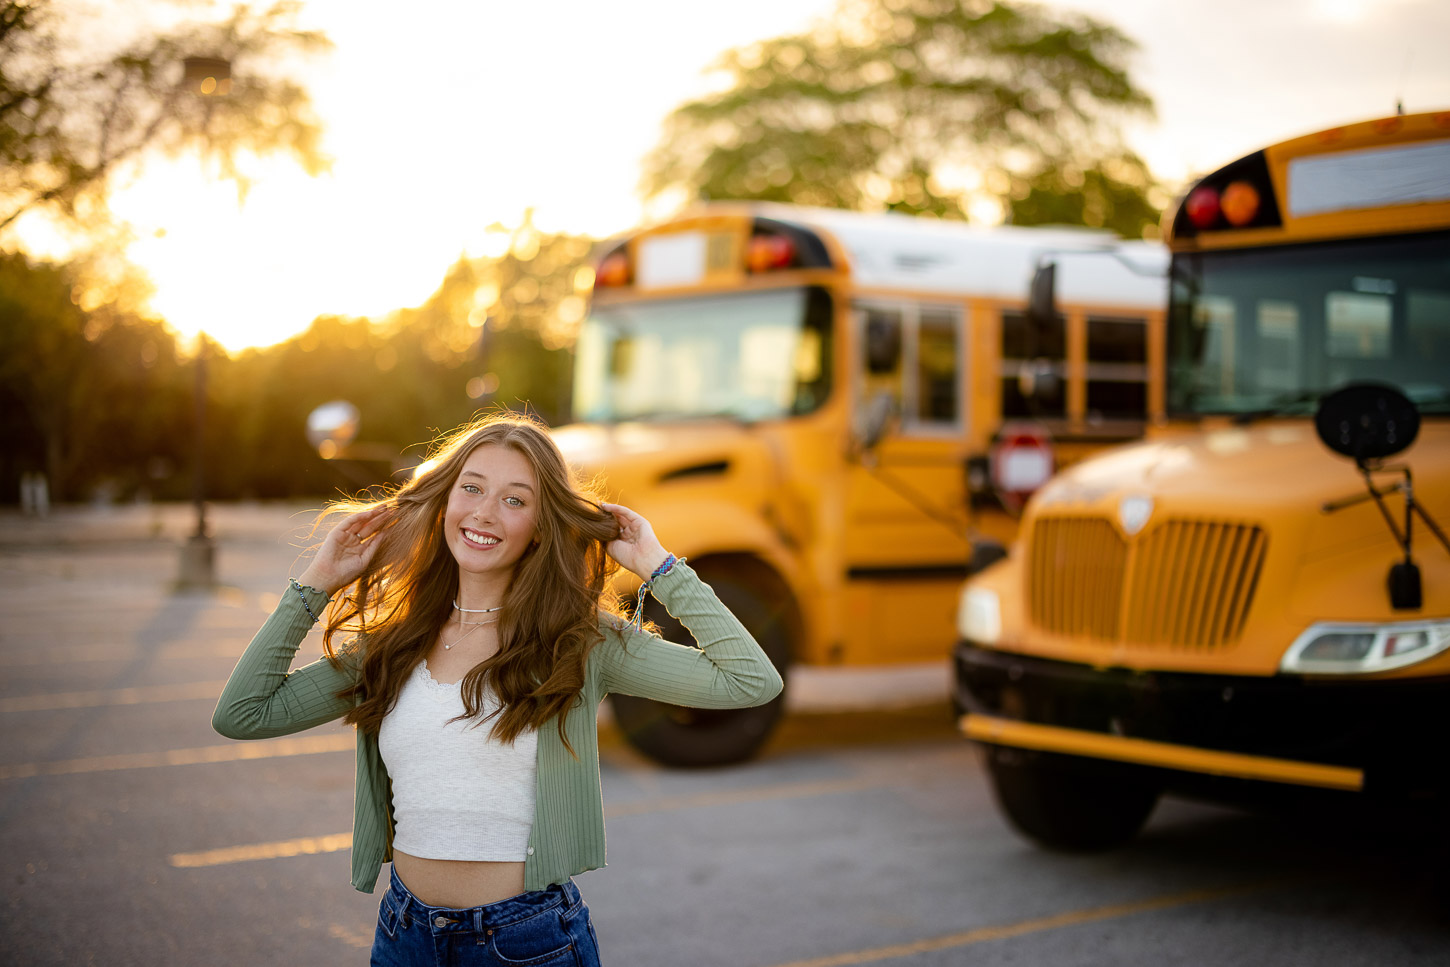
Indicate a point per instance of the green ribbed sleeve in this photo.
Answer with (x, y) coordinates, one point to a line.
(262, 699)
(728, 670)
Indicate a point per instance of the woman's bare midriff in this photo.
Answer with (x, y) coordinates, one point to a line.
(458, 883)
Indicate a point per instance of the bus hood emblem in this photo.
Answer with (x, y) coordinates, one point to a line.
(1133, 513)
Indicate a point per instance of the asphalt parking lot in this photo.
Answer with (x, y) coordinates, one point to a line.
(864, 834)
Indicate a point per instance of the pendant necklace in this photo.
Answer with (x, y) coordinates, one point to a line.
(475, 624)
(472, 625)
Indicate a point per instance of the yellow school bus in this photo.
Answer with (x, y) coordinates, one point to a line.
(807, 405)
(1255, 600)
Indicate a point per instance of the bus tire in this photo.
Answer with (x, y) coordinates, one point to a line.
(1068, 803)
(696, 738)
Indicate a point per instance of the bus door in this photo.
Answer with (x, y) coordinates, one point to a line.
(905, 530)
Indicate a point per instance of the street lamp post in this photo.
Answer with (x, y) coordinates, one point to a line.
(206, 77)
(198, 554)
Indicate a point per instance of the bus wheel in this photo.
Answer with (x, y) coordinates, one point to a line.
(688, 737)
(1069, 803)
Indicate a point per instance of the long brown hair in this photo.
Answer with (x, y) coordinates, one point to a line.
(550, 617)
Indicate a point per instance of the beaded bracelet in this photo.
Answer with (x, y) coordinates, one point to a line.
(305, 606)
(665, 567)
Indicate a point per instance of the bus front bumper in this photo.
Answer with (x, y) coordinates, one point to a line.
(1378, 737)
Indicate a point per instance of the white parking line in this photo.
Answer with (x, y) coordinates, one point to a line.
(304, 846)
(231, 752)
(339, 841)
(75, 654)
(139, 695)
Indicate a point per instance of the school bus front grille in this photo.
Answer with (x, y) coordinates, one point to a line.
(1076, 576)
(1181, 584)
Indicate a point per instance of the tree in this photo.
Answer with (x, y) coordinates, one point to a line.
(69, 121)
(88, 393)
(1117, 192)
(920, 106)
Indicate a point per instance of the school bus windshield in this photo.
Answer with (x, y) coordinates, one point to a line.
(1268, 330)
(747, 356)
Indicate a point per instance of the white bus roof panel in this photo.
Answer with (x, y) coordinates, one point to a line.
(914, 253)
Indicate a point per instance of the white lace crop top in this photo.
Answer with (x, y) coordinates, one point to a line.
(458, 793)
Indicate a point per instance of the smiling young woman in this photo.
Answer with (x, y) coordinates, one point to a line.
(469, 639)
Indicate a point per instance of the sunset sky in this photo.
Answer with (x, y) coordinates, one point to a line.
(446, 118)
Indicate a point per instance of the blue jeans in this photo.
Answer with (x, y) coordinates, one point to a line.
(545, 928)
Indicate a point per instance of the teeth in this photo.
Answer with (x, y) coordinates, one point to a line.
(480, 540)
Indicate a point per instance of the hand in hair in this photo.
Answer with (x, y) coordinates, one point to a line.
(636, 549)
(346, 552)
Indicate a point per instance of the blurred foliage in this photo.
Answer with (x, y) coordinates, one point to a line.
(922, 106)
(71, 118)
(1117, 193)
(84, 390)
(100, 397)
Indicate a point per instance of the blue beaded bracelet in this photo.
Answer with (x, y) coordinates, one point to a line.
(665, 567)
(304, 599)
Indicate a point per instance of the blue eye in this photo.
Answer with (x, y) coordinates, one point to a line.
(471, 488)
(514, 501)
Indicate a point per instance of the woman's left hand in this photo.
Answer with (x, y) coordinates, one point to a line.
(636, 549)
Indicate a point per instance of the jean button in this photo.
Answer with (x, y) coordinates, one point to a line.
(440, 921)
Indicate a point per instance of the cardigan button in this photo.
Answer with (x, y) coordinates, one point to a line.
(530, 851)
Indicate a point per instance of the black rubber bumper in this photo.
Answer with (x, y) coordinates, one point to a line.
(1397, 731)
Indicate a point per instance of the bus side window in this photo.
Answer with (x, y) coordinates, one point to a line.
(1117, 369)
(1025, 355)
(937, 355)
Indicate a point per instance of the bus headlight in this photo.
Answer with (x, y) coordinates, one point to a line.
(979, 616)
(1332, 648)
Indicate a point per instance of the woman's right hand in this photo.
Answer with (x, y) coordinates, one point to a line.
(346, 552)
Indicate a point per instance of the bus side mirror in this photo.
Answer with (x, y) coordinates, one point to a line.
(876, 419)
(1038, 377)
(1368, 422)
(1042, 298)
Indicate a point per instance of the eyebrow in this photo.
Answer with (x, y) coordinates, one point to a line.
(516, 483)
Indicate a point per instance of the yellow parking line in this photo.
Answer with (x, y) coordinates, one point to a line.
(231, 752)
(1071, 918)
(139, 695)
(307, 845)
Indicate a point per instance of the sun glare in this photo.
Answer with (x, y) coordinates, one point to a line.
(438, 153)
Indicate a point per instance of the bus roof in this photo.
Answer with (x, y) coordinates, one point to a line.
(893, 251)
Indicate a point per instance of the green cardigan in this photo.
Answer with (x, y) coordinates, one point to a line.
(261, 700)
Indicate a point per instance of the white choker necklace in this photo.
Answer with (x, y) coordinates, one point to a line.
(475, 610)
